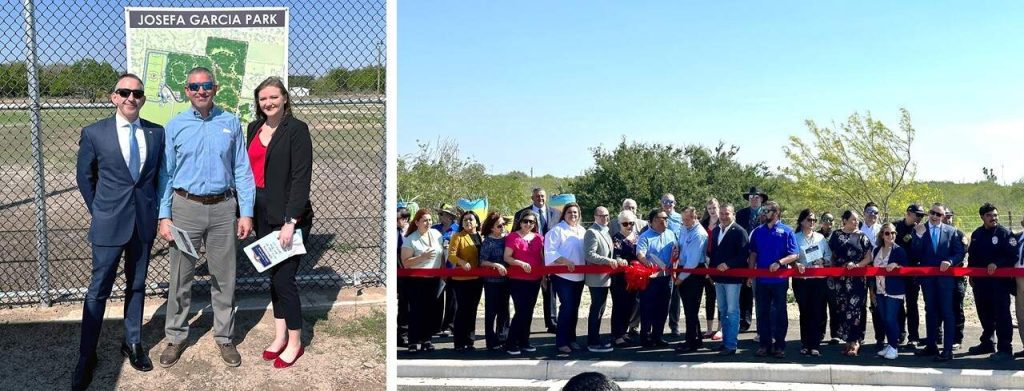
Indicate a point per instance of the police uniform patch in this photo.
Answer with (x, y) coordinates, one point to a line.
(906, 238)
(995, 240)
(1013, 242)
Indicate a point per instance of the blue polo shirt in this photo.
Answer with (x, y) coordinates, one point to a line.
(660, 245)
(772, 244)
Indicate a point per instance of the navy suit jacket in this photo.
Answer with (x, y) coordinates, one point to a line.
(951, 246)
(732, 251)
(117, 204)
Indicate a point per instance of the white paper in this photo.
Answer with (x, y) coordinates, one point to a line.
(183, 242)
(267, 252)
(813, 253)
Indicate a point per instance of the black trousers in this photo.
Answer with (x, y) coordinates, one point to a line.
(598, 297)
(403, 311)
(424, 307)
(524, 298)
(690, 291)
(811, 298)
(449, 308)
(549, 302)
(833, 319)
(910, 318)
(709, 299)
(746, 306)
(624, 304)
(496, 314)
(992, 300)
(284, 292)
(467, 294)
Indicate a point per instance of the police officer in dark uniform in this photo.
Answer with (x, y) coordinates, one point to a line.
(992, 246)
(961, 287)
(749, 218)
(910, 317)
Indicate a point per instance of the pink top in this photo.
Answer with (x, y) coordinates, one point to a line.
(531, 252)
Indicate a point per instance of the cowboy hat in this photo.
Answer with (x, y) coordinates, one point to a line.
(755, 191)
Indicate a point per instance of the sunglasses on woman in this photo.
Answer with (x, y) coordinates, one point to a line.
(889, 233)
(528, 221)
(627, 223)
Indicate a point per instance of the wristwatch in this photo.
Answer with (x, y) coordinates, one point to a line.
(291, 220)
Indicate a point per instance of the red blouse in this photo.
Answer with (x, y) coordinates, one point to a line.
(257, 158)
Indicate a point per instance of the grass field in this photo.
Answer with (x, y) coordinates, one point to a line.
(347, 197)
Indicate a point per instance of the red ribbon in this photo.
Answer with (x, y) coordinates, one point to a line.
(921, 271)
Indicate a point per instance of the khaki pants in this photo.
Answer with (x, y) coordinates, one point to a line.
(215, 225)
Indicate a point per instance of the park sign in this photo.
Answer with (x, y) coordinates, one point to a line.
(242, 46)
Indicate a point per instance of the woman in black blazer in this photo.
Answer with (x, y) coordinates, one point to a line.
(281, 154)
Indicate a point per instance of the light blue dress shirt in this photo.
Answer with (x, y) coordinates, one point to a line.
(652, 244)
(692, 248)
(206, 157)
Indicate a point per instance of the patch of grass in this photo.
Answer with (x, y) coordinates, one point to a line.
(370, 328)
(343, 248)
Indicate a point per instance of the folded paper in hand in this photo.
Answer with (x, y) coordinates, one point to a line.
(182, 241)
(267, 252)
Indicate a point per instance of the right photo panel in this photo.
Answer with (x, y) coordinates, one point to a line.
(706, 195)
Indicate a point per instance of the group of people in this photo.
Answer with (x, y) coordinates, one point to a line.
(200, 174)
(722, 238)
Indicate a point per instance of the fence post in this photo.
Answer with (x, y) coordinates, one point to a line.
(37, 154)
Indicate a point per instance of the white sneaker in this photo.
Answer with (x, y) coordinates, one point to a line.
(891, 353)
(757, 338)
(883, 351)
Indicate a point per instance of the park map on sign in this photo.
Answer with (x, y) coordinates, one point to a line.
(239, 58)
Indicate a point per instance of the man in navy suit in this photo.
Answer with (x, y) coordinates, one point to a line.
(729, 251)
(937, 244)
(118, 163)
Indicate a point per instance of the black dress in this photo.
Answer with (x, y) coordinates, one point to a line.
(851, 292)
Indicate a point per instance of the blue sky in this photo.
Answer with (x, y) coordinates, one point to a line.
(68, 31)
(567, 76)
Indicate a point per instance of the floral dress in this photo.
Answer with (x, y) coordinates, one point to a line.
(851, 292)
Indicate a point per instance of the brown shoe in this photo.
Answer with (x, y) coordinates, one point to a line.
(230, 354)
(171, 354)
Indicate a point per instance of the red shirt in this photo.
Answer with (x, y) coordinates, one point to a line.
(257, 158)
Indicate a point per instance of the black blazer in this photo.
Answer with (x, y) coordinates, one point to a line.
(287, 171)
(732, 251)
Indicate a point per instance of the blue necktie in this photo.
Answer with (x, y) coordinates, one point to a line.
(133, 154)
(935, 239)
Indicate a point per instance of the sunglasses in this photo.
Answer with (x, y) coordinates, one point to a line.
(889, 233)
(813, 220)
(668, 202)
(125, 92)
(627, 224)
(528, 221)
(934, 213)
(204, 85)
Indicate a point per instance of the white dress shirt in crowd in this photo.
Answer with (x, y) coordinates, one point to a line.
(123, 131)
(565, 242)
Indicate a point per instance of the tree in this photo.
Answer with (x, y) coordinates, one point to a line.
(13, 79)
(437, 174)
(86, 78)
(990, 174)
(855, 162)
(644, 172)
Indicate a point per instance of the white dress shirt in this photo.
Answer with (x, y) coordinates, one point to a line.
(123, 131)
(565, 242)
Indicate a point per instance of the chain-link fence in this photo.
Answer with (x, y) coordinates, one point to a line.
(59, 60)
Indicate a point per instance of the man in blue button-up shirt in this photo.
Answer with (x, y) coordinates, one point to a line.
(656, 247)
(772, 246)
(208, 181)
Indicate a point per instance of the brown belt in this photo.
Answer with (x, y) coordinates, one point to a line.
(204, 199)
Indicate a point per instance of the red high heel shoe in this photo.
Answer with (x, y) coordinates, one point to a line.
(271, 356)
(281, 364)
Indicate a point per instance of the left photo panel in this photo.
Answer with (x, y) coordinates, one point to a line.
(193, 194)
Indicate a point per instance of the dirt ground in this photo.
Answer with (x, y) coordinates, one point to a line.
(344, 341)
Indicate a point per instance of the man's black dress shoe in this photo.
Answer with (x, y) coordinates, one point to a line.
(927, 351)
(137, 356)
(945, 356)
(82, 377)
